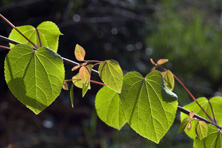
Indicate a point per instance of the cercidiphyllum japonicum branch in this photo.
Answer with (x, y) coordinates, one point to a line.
(73, 63)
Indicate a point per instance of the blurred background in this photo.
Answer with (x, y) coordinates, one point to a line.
(188, 33)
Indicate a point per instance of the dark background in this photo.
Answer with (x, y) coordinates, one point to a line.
(188, 33)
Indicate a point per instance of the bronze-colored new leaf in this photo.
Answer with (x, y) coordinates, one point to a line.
(84, 74)
(79, 53)
(191, 114)
(65, 86)
(76, 67)
(162, 61)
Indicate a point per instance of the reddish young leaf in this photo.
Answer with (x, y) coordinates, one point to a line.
(76, 67)
(79, 53)
(162, 61)
(154, 68)
(65, 86)
(84, 74)
(151, 60)
(189, 126)
(191, 114)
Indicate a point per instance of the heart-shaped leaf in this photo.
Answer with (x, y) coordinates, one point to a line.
(201, 130)
(48, 31)
(111, 74)
(108, 108)
(34, 77)
(149, 107)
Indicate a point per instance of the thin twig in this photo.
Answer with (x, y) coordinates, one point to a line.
(5, 47)
(97, 82)
(181, 109)
(7, 21)
(8, 40)
(40, 43)
(215, 121)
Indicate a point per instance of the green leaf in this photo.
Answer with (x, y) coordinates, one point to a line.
(111, 74)
(201, 129)
(48, 31)
(214, 138)
(198, 143)
(72, 96)
(149, 107)
(79, 53)
(108, 108)
(34, 77)
(85, 88)
(183, 125)
(168, 79)
(216, 103)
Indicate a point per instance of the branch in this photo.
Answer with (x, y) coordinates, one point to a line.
(7, 21)
(181, 109)
(73, 63)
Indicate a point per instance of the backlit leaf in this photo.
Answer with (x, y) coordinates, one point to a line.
(111, 74)
(108, 108)
(214, 138)
(34, 77)
(48, 31)
(149, 107)
(76, 67)
(198, 143)
(79, 53)
(85, 88)
(201, 129)
(168, 79)
(161, 61)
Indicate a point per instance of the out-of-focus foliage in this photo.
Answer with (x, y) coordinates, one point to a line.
(189, 35)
